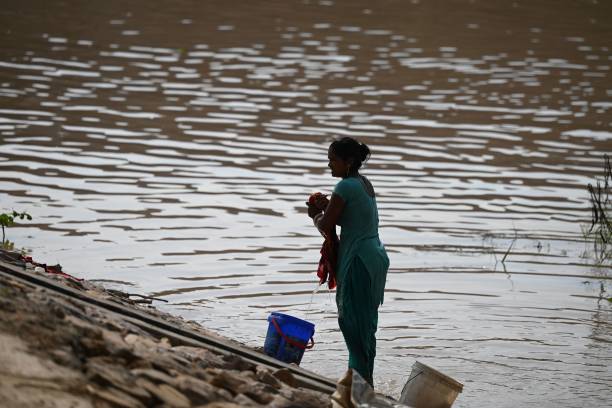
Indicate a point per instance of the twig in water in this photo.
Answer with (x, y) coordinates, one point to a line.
(147, 297)
(510, 247)
(126, 295)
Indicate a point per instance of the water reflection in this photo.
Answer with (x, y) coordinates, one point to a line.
(171, 149)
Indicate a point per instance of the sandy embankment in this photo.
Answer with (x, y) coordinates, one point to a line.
(57, 352)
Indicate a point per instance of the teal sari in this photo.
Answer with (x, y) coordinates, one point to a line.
(361, 273)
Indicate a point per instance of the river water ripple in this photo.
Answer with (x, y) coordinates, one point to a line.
(168, 149)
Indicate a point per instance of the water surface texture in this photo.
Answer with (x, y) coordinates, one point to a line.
(167, 148)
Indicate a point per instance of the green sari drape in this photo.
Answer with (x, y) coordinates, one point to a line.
(361, 273)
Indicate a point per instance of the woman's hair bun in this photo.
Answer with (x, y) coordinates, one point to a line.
(365, 151)
(349, 148)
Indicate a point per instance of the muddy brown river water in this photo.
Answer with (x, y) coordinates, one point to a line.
(167, 148)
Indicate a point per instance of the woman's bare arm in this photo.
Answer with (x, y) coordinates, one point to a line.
(327, 223)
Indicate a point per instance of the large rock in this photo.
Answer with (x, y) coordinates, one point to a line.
(284, 375)
(17, 361)
(115, 397)
(171, 396)
(153, 375)
(229, 380)
(265, 375)
(201, 357)
(199, 391)
(115, 345)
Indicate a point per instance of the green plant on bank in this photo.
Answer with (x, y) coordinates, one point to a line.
(7, 220)
(600, 230)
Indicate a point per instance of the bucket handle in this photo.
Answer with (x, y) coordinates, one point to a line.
(410, 379)
(291, 341)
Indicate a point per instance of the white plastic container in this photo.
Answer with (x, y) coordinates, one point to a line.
(429, 388)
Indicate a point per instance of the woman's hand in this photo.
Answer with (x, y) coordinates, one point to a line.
(321, 202)
(329, 220)
(317, 203)
(312, 210)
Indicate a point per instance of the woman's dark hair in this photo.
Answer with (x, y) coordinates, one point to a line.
(349, 148)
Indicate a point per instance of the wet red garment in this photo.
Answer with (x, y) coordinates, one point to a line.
(329, 252)
(55, 269)
(327, 264)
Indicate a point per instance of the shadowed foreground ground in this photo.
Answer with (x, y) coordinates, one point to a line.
(55, 352)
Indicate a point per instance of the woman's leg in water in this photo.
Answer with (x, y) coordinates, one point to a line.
(358, 319)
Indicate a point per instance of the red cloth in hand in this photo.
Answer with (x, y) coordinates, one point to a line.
(327, 264)
(329, 252)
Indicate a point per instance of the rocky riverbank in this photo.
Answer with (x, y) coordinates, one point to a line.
(57, 352)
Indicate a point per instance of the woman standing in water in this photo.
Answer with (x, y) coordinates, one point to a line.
(361, 269)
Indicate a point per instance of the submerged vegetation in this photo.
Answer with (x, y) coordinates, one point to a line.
(600, 230)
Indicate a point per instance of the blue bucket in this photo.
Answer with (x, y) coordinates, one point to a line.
(288, 337)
